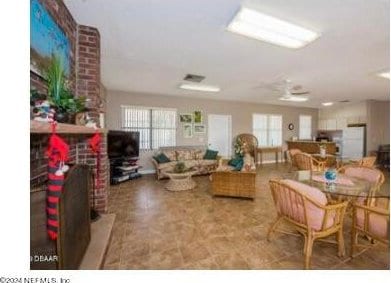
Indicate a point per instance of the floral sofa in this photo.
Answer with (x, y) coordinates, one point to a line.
(191, 156)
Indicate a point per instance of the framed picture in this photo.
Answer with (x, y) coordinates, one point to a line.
(186, 118)
(47, 38)
(197, 116)
(199, 129)
(187, 130)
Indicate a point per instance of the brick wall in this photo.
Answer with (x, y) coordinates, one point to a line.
(88, 68)
(84, 81)
(79, 153)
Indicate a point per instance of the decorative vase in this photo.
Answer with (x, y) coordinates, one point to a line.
(323, 152)
(330, 175)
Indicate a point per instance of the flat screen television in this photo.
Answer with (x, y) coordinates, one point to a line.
(122, 144)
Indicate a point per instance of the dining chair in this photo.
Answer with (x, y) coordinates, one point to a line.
(290, 156)
(374, 176)
(368, 161)
(307, 210)
(305, 161)
(371, 221)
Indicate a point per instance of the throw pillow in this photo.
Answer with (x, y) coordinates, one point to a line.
(234, 161)
(161, 158)
(239, 165)
(211, 154)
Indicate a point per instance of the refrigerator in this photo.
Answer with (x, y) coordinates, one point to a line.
(353, 142)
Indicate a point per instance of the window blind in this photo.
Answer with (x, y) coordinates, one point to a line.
(268, 129)
(157, 126)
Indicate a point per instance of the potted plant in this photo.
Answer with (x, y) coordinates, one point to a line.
(60, 95)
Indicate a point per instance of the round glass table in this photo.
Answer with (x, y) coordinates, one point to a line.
(343, 186)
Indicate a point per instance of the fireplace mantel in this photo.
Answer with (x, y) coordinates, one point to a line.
(37, 127)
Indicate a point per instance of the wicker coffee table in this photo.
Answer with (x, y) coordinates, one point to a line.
(180, 181)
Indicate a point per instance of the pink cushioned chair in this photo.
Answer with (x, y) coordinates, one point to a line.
(372, 222)
(306, 209)
(372, 175)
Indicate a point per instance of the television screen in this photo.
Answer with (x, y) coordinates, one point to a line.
(123, 144)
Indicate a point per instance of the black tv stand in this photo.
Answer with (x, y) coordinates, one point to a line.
(123, 169)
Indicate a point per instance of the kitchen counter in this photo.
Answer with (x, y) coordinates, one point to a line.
(312, 146)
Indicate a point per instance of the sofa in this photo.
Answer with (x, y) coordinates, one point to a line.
(191, 156)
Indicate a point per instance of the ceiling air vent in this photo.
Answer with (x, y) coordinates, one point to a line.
(344, 101)
(193, 78)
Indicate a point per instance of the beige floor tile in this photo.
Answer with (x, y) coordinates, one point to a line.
(158, 229)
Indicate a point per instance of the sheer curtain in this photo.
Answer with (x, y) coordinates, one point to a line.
(305, 127)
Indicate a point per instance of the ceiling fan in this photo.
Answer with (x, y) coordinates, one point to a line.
(287, 91)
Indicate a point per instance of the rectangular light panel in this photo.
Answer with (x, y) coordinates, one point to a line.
(256, 25)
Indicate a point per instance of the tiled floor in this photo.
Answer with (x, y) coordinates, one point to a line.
(159, 229)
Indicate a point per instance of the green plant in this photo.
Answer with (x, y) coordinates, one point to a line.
(180, 167)
(59, 94)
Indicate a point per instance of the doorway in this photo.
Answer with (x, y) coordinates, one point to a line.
(220, 134)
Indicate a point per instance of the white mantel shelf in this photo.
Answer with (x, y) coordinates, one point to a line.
(37, 127)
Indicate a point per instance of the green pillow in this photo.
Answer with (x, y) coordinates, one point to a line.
(239, 165)
(234, 161)
(161, 158)
(210, 154)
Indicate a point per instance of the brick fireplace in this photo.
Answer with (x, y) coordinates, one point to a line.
(84, 80)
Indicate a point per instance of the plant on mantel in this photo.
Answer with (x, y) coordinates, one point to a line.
(60, 96)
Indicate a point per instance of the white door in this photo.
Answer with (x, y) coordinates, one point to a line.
(220, 134)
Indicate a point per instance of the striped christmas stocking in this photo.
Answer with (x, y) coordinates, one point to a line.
(58, 154)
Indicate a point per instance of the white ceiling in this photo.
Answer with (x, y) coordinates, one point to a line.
(149, 46)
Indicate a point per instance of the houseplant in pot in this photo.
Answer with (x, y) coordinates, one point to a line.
(59, 94)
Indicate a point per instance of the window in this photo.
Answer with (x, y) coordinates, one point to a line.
(305, 128)
(157, 126)
(268, 129)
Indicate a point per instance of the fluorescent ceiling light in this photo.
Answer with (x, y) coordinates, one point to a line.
(293, 98)
(256, 25)
(200, 87)
(385, 75)
(327, 103)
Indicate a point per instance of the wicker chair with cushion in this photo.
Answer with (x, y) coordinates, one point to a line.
(305, 161)
(368, 161)
(290, 153)
(372, 175)
(306, 209)
(372, 222)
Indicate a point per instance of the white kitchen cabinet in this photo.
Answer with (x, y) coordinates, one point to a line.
(331, 124)
(342, 123)
(322, 125)
(362, 119)
(353, 120)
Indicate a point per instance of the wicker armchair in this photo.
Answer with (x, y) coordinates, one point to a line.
(248, 142)
(305, 161)
(306, 210)
(234, 183)
(368, 161)
(290, 153)
(371, 221)
(372, 175)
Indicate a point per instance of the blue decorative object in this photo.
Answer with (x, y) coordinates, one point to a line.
(46, 39)
(330, 175)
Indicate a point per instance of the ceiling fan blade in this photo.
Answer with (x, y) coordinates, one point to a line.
(300, 93)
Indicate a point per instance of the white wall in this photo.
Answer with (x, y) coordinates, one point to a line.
(241, 115)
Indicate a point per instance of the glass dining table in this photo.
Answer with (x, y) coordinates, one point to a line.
(343, 186)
